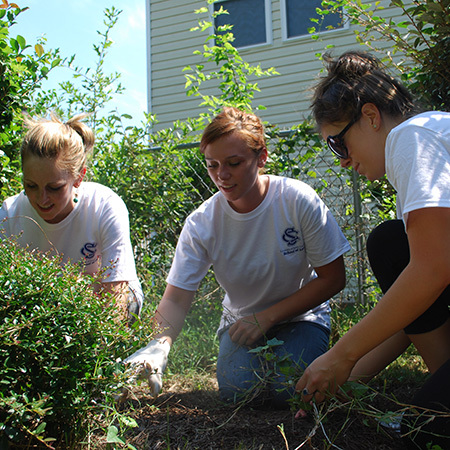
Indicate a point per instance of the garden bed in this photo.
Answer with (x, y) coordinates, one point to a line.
(187, 416)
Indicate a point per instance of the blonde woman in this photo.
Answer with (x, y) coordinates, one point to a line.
(59, 212)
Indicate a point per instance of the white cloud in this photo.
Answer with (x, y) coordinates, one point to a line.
(136, 18)
(131, 23)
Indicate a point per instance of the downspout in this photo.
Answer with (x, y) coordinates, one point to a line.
(149, 56)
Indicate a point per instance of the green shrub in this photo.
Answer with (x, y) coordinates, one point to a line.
(419, 41)
(59, 343)
(23, 68)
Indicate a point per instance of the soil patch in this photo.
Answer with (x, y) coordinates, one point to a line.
(187, 416)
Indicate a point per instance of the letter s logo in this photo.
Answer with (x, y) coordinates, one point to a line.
(88, 251)
(290, 236)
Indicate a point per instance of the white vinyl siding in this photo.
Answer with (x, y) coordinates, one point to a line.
(286, 96)
(171, 49)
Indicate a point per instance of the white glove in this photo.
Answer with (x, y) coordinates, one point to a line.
(149, 364)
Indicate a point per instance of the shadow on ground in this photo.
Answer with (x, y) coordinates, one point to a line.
(190, 417)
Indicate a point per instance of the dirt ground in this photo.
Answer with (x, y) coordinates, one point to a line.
(193, 417)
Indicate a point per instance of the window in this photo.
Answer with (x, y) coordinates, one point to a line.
(250, 19)
(297, 15)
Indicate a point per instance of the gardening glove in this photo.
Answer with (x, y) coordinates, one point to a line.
(149, 364)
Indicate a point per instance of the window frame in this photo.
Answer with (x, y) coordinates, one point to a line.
(268, 22)
(284, 26)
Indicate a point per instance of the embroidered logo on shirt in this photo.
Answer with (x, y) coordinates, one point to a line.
(89, 249)
(294, 242)
(290, 236)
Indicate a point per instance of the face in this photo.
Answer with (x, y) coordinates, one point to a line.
(49, 189)
(234, 169)
(365, 147)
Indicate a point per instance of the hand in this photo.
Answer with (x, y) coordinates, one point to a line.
(248, 330)
(324, 376)
(149, 363)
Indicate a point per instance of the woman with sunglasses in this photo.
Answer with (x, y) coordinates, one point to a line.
(371, 123)
(277, 252)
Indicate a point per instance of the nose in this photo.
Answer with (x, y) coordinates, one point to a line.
(223, 172)
(43, 197)
(345, 163)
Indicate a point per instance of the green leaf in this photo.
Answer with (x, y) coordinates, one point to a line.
(274, 342)
(128, 421)
(21, 41)
(56, 62)
(14, 44)
(40, 429)
(112, 436)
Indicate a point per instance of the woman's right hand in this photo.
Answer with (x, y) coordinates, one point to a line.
(323, 377)
(149, 363)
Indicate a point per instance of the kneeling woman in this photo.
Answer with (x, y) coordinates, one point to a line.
(371, 123)
(277, 252)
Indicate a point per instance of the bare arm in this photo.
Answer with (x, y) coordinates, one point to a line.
(381, 356)
(119, 292)
(415, 290)
(330, 280)
(172, 311)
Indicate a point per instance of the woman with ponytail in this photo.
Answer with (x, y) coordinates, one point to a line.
(60, 213)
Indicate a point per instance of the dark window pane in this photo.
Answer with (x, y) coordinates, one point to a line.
(248, 18)
(299, 13)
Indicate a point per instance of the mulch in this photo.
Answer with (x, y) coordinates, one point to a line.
(192, 416)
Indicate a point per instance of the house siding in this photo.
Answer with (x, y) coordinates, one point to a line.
(286, 96)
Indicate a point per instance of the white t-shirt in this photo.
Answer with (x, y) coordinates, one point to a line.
(95, 233)
(418, 162)
(263, 256)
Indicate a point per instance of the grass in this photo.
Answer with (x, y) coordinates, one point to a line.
(189, 414)
(195, 350)
(191, 371)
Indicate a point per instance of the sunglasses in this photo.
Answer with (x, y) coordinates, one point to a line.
(336, 143)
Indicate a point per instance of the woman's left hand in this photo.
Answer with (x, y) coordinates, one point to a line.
(248, 330)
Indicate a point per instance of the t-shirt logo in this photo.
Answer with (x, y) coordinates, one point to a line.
(290, 236)
(294, 242)
(89, 249)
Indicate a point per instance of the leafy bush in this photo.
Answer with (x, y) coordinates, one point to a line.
(420, 39)
(22, 70)
(59, 343)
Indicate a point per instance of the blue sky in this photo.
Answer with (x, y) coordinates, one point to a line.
(71, 26)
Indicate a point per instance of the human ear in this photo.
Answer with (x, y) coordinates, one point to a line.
(80, 177)
(262, 158)
(372, 115)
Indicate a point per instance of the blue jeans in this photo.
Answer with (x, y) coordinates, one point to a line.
(268, 374)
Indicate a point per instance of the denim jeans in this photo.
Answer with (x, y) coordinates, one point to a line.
(244, 375)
